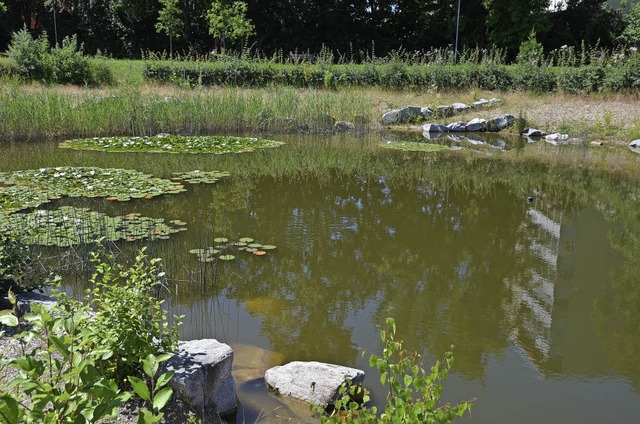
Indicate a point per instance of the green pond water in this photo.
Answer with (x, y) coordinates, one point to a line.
(539, 296)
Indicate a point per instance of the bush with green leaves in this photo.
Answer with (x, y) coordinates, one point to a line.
(129, 315)
(64, 64)
(59, 380)
(414, 395)
(88, 354)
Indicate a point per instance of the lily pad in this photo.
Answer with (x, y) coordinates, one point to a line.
(15, 198)
(69, 226)
(259, 253)
(227, 257)
(255, 245)
(220, 239)
(246, 240)
(112, 183)
(268, 247)
(412, 146)
(200, 177)
(166, 143)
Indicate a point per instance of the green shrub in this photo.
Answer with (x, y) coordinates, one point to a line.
(414, 395)
(65, 64)
(77, 371)
(129, 317)
(29, 54)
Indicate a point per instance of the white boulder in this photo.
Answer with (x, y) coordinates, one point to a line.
(313, 382)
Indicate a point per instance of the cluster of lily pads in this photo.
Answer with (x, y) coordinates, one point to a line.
(114, 184)
(223, 245)
(412, 146)
(167, 143)
(70, 226)
(198, 177)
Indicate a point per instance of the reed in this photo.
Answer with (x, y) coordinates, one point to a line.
(41, 112)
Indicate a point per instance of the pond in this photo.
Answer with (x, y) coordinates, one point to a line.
(530, 271)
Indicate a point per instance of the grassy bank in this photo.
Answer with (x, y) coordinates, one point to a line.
(135, 107)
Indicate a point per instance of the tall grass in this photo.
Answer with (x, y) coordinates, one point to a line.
(39, 112)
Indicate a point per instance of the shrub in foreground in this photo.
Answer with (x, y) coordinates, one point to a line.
(414, 395)
(76, 372)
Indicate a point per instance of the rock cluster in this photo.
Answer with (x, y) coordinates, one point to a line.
(475, 125)
(408, 114)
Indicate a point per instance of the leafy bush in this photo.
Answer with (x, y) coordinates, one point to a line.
(65, 64)
(29, 53)
(128, 315)
(76, 371)
(414, 395)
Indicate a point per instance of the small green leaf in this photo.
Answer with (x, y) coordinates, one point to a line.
(164, 379)
(140, 387)
(161, 398)
(220, 240)
(8, 319)
(227, 257)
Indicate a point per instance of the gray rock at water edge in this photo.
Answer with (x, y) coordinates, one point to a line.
(494, 101)
(477, 125)
(459, 126)
(426, 112)
(556, 136)
(203, 375)
(460, 107)
(479, 104)
(402, 115)
(436, 128)
(533, 132)
(26, 299)
(445, 111)
(500, 123)
(434, 135)
(313, 382)
(635, 143)
(343, 127)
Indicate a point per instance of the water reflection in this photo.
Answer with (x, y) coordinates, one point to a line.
(540, 298)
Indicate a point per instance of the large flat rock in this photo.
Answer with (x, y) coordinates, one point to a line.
(313, 382)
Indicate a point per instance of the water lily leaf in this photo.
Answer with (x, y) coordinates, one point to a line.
(268, 247)
(172, 144)
(255, 245)
(259, 253)
(227, 257)
(221, 240)
(246, 240)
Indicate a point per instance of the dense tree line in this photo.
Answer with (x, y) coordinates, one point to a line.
(126, 28)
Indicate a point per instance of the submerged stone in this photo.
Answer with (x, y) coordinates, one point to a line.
(343, 127)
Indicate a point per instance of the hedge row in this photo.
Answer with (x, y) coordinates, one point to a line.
(584, 79)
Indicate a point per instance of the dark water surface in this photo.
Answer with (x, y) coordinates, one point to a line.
(540, 298)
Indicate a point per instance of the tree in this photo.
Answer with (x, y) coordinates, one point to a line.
(229, 21)
(631, 34)
(170, 21)
(509, 22)
(3, 8)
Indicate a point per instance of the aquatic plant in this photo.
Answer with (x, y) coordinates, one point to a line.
(69, 226)
(115, 184)
(199, 177)
(15, 198)
(246, 244)
(167, 143)
(411, 146)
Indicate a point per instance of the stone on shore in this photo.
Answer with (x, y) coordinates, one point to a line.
(434, 128)
(460, 107)
(203, 375)
(476, 125)
(313, 382)
(459, 126)
(402, 115)
(500, 123)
